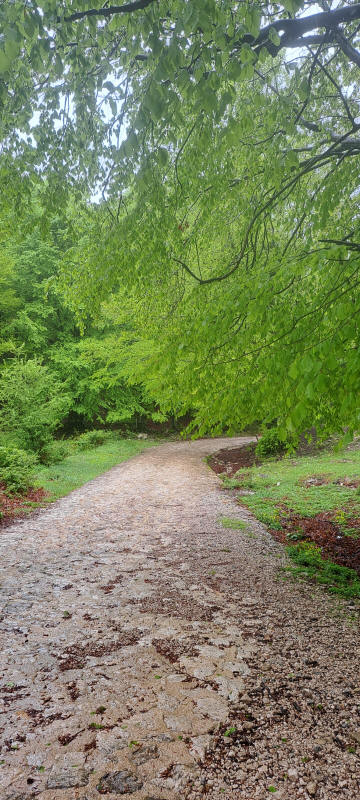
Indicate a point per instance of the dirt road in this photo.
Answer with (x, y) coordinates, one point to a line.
(136, 630)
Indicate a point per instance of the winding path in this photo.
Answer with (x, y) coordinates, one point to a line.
(135, 627)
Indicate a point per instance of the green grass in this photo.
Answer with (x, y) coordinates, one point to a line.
(280, 483)
(278, 488)
(235, 524)
(77, 469)
(309, 564)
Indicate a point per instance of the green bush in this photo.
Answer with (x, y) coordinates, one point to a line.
(54, 452)
(32, 403)
(16, 469)
(270, 444)
(92, 439)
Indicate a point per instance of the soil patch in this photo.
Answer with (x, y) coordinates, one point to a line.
(230, 460)
(14, 506)
(175, 605)
(75, 655)
(173, 650)
(336, 544)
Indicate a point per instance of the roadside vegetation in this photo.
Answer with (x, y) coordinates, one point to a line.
(311, 504)
(81, 466)
(83, 458)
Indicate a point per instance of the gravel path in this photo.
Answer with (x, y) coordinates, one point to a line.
(136, 631)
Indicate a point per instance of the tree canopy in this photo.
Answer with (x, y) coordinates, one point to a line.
(221, 143)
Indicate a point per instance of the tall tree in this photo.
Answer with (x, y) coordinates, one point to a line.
(223, 136)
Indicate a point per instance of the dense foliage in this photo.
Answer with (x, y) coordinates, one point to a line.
(53, 381)
(219, 144)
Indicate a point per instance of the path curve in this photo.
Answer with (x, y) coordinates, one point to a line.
(134, 626)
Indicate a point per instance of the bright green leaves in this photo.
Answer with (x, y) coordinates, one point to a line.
(12, 48)
(247, 55)
(30, 24)
(155, 102)
(274, 37)
(226, 167)
(12, 40)
(199, 16)
(130, 145)
(292, 6)
(4, 62)
(208, 99)
(168, 62)
(303, 90)
(252, 20)
(163, 156)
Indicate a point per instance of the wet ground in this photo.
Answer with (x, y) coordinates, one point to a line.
(146, 650)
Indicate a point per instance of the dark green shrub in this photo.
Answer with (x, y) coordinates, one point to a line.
(270, 444)
(16, 469)
(91, 439)
(54, 452)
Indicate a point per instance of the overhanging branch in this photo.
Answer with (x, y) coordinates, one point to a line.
(296, 27)
(108, 11)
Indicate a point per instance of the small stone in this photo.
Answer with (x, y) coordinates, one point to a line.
(292, 774)
(245, 698)
(311, 788)
(123, 782)
(179, 723)
(146, 753)
(67, 779)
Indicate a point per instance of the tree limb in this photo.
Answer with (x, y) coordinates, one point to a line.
(296, 27)
(108, 11)
(347, 48)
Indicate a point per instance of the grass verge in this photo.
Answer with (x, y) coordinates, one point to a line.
(312, 504)
(78, 468)
(305, 486)
(309, 564)
(235, 524)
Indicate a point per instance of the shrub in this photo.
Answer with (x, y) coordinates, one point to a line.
(270, 444)
(16, 469)
(91, 439)
(53, 452)
(32, 403)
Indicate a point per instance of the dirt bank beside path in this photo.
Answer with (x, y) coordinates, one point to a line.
(137, 631)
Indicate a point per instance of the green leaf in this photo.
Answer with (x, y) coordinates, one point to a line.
(252, 20)
(59, 66)
(163, 156)
(274, 36)
(4, 62)
(12, 49)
